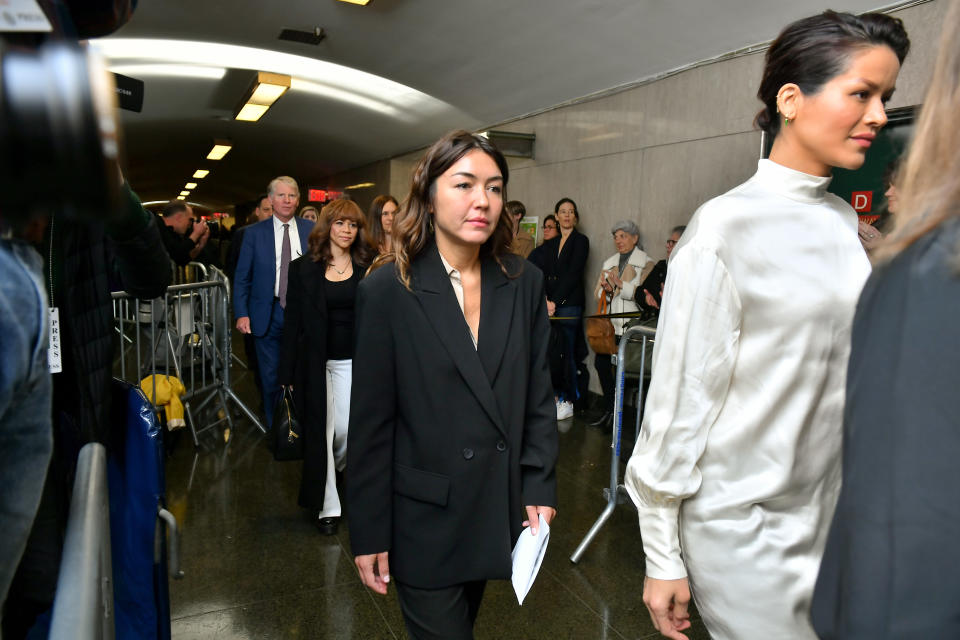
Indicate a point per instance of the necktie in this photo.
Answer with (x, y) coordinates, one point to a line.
(284, 265)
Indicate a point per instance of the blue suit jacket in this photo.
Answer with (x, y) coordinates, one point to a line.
(256, 272)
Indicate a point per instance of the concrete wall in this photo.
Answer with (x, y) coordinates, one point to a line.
(655, 152)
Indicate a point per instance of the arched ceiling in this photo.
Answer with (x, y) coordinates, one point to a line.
(391, 76)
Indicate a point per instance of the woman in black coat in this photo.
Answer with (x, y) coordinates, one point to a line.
(564, 259)
(316, 350)
(453, 438)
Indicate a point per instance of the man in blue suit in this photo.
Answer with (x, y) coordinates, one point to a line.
(260, 282)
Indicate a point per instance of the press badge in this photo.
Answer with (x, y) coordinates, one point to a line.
(54, 360)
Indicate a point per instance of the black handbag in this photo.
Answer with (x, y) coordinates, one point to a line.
(287, 443)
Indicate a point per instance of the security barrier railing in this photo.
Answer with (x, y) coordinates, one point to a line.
(83, 607)
(636, 337)
(185, 334)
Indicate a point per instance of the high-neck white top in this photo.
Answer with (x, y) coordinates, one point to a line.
(737, 469)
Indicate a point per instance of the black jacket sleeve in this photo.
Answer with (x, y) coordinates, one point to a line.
(141, 261)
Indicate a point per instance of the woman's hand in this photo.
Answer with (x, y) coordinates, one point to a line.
(551, 308)
(533, 516)
(651, 301)
(667, 602)
(615, 279)
(869, 236)
(376, 581)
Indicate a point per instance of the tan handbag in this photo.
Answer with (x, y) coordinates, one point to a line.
(600, 333)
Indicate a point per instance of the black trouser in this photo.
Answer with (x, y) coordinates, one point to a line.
(603, 364)
(441, 614)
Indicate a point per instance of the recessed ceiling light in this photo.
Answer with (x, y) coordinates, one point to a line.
(220, 149)
(360, 2)
(181, 197)
(200, 173)
(190, 185)
(362, 185)
(184, 193)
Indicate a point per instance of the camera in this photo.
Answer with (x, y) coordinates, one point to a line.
(59, 133)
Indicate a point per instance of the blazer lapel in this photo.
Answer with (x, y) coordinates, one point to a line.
(432, 287)
(496, 314)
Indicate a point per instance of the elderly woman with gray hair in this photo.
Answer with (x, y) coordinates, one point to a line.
(619, 281)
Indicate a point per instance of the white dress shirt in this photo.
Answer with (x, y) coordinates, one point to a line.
(736, 471)
(457, 283)
(295, 250)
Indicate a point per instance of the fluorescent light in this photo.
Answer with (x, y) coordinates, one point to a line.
(264, 91)
(251, 112)
(200, 173)
(326, 91)
(357, 87)
(360, 2)
(177, 70)
(362, 185)
(184, 193)
(190, 185)
(181, 197)
(220, 149)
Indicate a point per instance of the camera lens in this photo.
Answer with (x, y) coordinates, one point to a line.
(58, 132)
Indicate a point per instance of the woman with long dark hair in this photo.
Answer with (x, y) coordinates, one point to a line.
(737, 469)
(564, 259)
(888, 570)
(453, 437)
(380, 218)
(316, 350)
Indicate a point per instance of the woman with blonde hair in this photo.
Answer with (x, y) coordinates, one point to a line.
(310, 213)
(737, 469)
(453, 438)
(316, 350)
(888, 570)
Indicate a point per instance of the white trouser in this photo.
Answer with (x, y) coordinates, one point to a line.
(339, 373)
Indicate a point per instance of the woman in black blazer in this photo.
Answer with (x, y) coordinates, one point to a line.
(317, 347)
(453, 437)
(564, 259)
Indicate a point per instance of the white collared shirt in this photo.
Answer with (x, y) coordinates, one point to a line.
(458, 290)
(295, 250)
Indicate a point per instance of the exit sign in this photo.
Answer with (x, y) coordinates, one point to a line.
(316, 195)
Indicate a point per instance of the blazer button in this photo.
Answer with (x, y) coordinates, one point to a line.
(467, 454)
(501, 446)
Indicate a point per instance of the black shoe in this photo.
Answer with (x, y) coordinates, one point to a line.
(603, 419)
(328, 526)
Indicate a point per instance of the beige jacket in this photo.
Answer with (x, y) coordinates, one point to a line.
(639, 266)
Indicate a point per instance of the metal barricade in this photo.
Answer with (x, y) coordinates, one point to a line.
(616, 493)
(186, 334)
(83, 607)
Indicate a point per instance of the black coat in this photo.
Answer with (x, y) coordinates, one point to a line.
(447, 443)
(564, 272)
(889, 570)
(303, 359)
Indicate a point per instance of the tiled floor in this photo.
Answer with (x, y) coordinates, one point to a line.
(256, 567)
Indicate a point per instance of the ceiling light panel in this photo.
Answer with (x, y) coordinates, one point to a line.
(219, 150)
(251, 112)
(184, 193)
(357, 87)
(190, 185)
(200, 173)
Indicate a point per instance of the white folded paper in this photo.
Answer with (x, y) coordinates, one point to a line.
(527, 556)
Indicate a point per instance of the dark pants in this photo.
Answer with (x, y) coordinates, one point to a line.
(603, 363)
(441, 614)
(250, 351)
(268, 360)
(571, 329)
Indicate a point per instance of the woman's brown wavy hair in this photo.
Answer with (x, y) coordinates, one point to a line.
(377, 236)
(413, 225)
(318, 240)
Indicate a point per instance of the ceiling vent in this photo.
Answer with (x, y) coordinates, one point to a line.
(314, 37)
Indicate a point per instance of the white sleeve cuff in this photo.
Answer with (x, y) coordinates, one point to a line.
(660, 531)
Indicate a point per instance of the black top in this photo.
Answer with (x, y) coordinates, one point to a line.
(564, 271)
(654, 282)
(889, 568)
(341, 297)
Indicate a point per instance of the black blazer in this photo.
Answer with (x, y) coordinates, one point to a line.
(303, 358)
(889, 567)
(448, 443)
(564, 272)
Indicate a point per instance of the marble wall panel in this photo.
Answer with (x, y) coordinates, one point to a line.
(923, 23)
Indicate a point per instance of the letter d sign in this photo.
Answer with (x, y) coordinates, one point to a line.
(862, 201)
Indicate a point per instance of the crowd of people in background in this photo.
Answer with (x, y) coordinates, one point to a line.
(432, 348)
